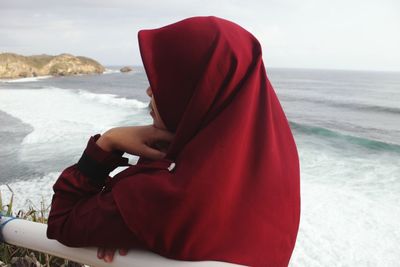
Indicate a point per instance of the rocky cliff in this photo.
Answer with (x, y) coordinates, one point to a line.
(17, 66)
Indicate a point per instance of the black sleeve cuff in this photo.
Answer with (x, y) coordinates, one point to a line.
(97, 163)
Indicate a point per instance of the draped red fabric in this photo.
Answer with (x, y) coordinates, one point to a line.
(234, 194)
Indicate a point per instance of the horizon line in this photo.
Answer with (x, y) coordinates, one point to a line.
(286, 68)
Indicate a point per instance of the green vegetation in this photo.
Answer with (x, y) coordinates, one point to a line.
(11, 255)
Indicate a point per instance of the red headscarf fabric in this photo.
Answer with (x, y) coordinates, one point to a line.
(234, 194)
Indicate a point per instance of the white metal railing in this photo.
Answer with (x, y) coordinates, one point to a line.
(32, 235)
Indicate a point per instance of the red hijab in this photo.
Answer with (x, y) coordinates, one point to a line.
(234, 194)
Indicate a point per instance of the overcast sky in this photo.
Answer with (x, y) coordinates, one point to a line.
(340, 34)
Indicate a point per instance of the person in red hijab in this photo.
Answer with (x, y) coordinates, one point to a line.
(218, 176)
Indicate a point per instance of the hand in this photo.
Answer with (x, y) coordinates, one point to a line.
(108, 253)
(147, 141)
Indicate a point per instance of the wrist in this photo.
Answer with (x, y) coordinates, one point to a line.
(97, 162)
(105, 142)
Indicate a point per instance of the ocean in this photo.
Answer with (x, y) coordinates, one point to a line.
(346, 125)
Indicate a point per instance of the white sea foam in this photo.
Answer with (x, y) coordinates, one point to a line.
(111, 71)
(350, 211)
(27, 193)
(114, 100)
(28, 79)
(64, 119)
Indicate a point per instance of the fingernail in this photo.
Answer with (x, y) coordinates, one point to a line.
(107, 258)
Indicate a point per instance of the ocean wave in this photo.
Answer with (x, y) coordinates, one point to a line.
(66, 116)
(26, 192)
(28, 79)
(355, 140)
(347, 105)
(111, 71)
(114, 100)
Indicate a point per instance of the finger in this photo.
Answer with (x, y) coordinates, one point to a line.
(123, 251)
(152, 153)
(109, 254)
(100, 253)
(165, 135)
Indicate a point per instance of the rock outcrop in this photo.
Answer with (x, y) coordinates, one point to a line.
(126, 69)
(17, 66)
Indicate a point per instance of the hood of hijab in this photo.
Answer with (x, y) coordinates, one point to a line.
(195, 68)
(233, 193)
